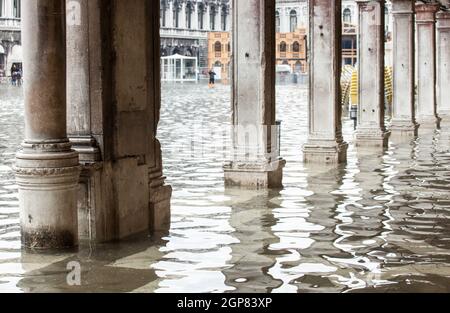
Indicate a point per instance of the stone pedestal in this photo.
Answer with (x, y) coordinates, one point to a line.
(255, 157)
(443, 66)
(371, 130)
(47, 169)
(403, 113)
(325, 143)
(426, 65)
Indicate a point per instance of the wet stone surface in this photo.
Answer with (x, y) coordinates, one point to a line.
(378, 223)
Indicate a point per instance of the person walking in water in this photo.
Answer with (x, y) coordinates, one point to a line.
(13, 74)
(212, 78)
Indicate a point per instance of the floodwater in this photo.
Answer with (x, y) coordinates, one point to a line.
(380, 223)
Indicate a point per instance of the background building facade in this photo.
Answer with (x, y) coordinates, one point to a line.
(10, 35)
(185, 25)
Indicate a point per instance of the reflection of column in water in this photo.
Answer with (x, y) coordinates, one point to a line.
(362, 217)
(251, 258)
(422, 205)
(322, 203)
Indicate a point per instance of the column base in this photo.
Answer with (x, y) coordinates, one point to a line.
(429, 122)
(325, 153)
(402, 129)
(255, 175)
(444, 119)
(47, 175)
(160, 196)
(372, 138)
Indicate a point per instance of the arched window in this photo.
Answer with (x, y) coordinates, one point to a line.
(224, 18)
(229, 47)
(212, 17)
(176, 14)
(163, 12)
(293, 16)
(283, 47)
(201, 10)
(218, 46)
(298, 68)
(16, 8)
(277, 21)
(189, 12)
(347, 16)
(296, 47)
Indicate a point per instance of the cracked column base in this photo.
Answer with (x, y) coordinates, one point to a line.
(325, 153)
(257, 175)
(372, 138)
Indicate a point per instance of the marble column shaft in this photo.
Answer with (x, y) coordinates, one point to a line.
(443, 65)
(325, 143)
(371, 131)
(403, 112)
(426, 64)
(256, 161)
(79, 81)
(47, 169)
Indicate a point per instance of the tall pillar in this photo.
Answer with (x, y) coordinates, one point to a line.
(285, 20)
(325, 143)
(47, 169)
(194, 24)
(255, 156)
(182, 16)
(78, 81)
(426, 64)
(443, 65)
(218, 12)
(169, 21)
(403, 113)
(207, 18)
(371, 131)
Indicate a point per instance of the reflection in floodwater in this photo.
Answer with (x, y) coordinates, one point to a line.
(378, 223)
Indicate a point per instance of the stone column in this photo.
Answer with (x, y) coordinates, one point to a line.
(194, 24)
(47, 169)
(8, 9)
(285, 20)
(325, 143)
(426, 64)
(182, 16)
(403, 113)
(169, 21)
(255, 155)
(218, 17)
(371, 131)
(443, 65)
(78, 81)
(207, 19)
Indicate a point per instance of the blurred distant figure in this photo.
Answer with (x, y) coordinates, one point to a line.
(14, 75)
(212, 78)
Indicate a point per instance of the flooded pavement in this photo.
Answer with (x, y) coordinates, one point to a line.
(380, 223)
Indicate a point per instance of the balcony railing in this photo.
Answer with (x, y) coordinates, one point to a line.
(186, 33)
(10, 24)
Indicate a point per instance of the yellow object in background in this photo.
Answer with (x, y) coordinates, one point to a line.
(350, 86)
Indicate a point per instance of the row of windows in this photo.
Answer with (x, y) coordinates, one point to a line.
(218, 47)
(190, 11)
(16, 8)
(293, 22)
(283, 47)
(295, 47)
